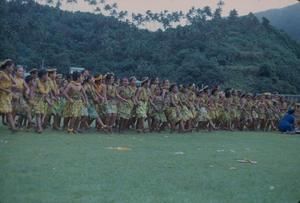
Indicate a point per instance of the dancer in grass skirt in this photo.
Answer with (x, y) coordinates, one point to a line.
(122, 105)
(142, 98)
(101, 91)
(20, 99)
(93, 98)
(185, 108)
(65, 114)
(174, 114)
(41, 99)
(125, 108)
(76, 98)
(56, 106)
(6, 84)
(113, 97)
(158, 104)
(133, 89)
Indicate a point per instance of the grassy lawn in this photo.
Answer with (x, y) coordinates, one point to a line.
(198, 167)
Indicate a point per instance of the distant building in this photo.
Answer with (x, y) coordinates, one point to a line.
(74, 69)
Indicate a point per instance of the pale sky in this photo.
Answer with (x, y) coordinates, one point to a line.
(243, 6)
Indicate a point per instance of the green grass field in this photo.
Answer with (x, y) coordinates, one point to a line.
(198, 167)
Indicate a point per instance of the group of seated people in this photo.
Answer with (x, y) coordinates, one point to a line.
(80, 101)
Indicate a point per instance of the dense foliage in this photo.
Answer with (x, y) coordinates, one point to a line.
(238, 52)
(287, 19)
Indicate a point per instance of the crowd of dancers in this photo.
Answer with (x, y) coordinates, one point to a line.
(81, 101)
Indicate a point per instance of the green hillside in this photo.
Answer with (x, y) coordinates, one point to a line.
(238, 52)
(287, 19)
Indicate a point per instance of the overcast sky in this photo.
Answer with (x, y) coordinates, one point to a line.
(243, 6)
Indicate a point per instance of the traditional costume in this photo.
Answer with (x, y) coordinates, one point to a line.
(19, 102)
(142, 107)
(74, 108)
(5, 93)
(41, 96)
(111, 94)
(125, 107)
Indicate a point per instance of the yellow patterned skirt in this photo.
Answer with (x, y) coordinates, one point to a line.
(142, 109)
(20, 105)
(73, 109)
(173, 115)
(125, 109)
(167, 112)
(40, 105)
(5, 103)
(235, 114)
(186, 113)
(214, 115)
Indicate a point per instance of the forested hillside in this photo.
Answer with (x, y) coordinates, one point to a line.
(287, 19)
(239, 52)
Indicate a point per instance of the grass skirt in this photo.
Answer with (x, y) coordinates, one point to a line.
(5, 103)
(40, 105)
(202, 115)
(125, 109)
(173, 115)
(20, 105)
(142, 109)
(186, 113)
(73, 109)
(160, 116)
(111, 107)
